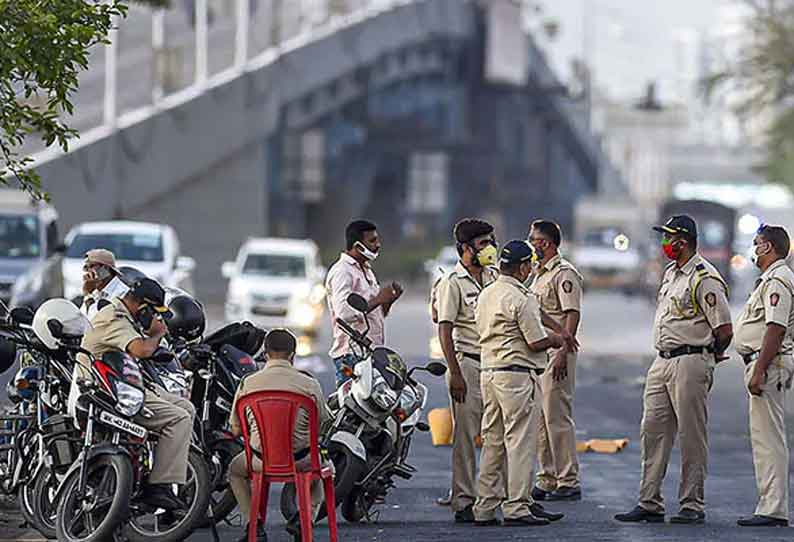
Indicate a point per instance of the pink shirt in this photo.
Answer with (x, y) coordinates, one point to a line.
(346, 276)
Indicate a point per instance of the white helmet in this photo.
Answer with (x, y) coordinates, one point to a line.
(74, 322)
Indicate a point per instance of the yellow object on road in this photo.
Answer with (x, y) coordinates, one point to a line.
(440, 420)
(602, 446)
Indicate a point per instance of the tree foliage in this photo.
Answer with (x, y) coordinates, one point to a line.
(761, 80)
(44, 44)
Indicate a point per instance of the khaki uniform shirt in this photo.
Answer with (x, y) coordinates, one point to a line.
(508, 321)
(692, 302)
(281, 375)
(770, 303)
(114, 329)
(457, 295)
(558, 288)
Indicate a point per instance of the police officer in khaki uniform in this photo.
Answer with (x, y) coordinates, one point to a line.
(279, 374)
(101, 281)
(132, 324)
(514, 344)
(692, 329)
(558, 287)
(457, 294)
(764, 340)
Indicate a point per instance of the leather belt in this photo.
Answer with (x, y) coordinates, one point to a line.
(751, 357)
(475, 357)
(514, 369)
(685, 351)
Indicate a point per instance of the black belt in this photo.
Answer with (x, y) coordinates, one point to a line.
(685, 351)
(297, 456)
(475, 357)
(514, 369)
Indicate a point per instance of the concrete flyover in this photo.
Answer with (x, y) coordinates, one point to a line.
(209, 162)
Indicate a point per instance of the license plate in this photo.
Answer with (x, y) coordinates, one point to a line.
(121, 423)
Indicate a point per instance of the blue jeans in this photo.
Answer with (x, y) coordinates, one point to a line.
(348, 360)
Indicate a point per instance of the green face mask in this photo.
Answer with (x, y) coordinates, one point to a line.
(487, 256)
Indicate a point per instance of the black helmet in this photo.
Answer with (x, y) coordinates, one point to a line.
(131, 275)
(187, 321)
(8, 354)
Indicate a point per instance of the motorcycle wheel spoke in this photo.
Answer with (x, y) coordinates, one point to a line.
(90, 522)
(75, 520)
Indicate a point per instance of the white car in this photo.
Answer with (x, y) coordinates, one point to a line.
(153, 249)
(276, 282)
(445, 262)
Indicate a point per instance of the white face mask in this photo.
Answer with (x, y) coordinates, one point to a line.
(367, 253)
(754, 255)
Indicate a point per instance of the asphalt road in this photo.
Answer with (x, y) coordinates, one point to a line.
(616, 350)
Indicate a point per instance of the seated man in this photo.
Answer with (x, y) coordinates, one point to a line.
(277, 375)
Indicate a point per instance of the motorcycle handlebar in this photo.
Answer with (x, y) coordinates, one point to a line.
(353, 334)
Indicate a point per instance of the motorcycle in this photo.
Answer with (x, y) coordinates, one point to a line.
(376, 413)
(100, 496)
(215, 366)
(38, 451)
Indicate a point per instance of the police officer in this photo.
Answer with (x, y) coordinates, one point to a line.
(101, 281)
(132, 324)
(514, 344)
(764, 340)
(279, 374)
(558, 287)
(457, 294)
(692, 329)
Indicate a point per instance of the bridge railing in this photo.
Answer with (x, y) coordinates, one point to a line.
(160, 58)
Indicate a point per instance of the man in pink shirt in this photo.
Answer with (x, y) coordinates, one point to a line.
(352, 273)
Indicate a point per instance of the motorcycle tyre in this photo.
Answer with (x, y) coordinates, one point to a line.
(196, 513)
(119, 508)
(228, 502)
(41, 508)
(345, 477)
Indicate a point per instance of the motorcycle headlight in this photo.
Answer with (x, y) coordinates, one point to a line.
(384, 396)
(130, 399)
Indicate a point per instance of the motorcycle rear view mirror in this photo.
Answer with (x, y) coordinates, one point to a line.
(358, 303)
(22, 315)
(436, 368)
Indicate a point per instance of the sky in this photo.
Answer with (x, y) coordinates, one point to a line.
(633, 41)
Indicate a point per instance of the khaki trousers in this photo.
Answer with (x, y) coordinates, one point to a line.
(768, 438)
(172, 419)
(508, 433)
(558, 462)
(466, 420)
(241, 485)
(675, 402)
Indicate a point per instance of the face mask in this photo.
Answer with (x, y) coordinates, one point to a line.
(670, 250)
(754, 255)
(367, 253)
(487, 256)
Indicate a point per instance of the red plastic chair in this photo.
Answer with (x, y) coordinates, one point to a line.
(275, 413)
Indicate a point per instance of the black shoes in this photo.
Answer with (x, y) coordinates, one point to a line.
(526, 521)
(465, 516)
(539, 494)
(762, 521)
(261, 535)
(688, 517)
(639, 515)
(161, 496)
(565, 494)
(486, 523)
(538, 511)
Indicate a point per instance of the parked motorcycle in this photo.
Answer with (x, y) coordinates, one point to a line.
(375, 415)
(100, 496)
